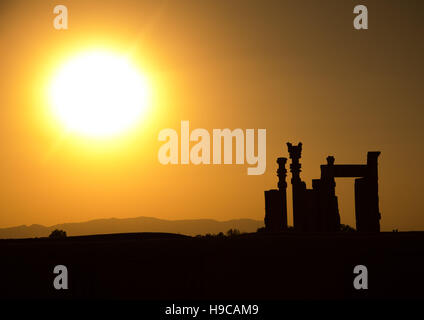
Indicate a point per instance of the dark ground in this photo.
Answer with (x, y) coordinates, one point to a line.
(251, 266)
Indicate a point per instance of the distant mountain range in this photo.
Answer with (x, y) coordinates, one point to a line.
(139, 224)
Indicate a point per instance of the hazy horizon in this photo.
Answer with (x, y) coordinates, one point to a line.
(133, 225)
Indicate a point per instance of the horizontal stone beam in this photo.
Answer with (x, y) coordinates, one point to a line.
(345, 170)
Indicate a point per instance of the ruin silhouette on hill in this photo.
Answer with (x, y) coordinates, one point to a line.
(316, 209)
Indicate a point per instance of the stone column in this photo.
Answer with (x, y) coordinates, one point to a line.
(282, 187)
(298, 187)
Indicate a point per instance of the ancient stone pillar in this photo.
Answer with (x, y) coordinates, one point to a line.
(298, 187)
(366, 197)
(282, 187)
(276, 201)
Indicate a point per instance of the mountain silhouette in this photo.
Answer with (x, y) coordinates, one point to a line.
(129, 225)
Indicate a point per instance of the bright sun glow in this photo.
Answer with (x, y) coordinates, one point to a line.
(98, 94)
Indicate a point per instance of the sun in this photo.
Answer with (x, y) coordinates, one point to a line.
(98, 94)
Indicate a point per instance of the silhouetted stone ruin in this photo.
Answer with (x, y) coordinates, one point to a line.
(316, 209)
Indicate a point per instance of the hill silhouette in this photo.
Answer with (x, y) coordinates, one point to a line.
(131, 225)
(152, 266)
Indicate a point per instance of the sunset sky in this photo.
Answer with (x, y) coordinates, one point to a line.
(295, 68)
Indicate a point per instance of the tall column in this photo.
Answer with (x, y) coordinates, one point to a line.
(330, 212)
(298, 187)
(374, 210)
(282, 187)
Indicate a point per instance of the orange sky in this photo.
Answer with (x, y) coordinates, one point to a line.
(294, 68)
